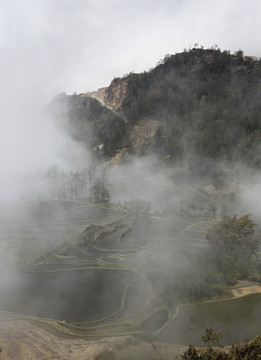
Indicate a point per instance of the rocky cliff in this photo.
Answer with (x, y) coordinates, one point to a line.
(200, 102)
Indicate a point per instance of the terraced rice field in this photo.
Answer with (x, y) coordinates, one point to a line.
(96, 286)
(238, 320)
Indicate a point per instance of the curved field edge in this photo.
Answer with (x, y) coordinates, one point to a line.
(128, 325)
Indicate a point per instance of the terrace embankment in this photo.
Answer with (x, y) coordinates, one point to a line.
(106, 281)
(21, 340)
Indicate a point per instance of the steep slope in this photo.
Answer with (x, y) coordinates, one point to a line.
(90, 122)
(200, 102)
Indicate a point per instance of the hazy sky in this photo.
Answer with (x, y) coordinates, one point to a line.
(80, 45)
(51, 46)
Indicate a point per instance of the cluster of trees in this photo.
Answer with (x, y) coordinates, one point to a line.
(206, 100)
(231, 257)
(91, 123)
(90, 183)
(234, 243)
(250, 350)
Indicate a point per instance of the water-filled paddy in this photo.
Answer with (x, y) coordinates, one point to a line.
(93, 294)
(73, 296)
(238, 320)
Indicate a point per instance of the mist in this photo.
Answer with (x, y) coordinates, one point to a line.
(49, 48)
(83, 239)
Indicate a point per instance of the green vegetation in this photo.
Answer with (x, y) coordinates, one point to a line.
(211, 337)
(200, 98)
(138, 247)
(236, 319)
(234, 243)
(205, 103)
(193, 108)
(91, 123)
(248, 351)
(89, 183)
(99, 191)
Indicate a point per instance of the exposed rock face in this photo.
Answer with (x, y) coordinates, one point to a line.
(194, 61)
(100, 94)
(196, 104)
(114, 95)
(119, 90)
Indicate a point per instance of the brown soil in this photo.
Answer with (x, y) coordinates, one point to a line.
(244, 287)
(21, 340)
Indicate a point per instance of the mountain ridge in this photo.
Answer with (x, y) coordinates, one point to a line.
(204, 103)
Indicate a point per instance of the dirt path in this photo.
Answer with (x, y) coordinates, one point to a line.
(244, 287)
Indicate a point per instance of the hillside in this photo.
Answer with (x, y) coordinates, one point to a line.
(135, 259)
(196, 104)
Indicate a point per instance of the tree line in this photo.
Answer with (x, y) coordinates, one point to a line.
(90, 183)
